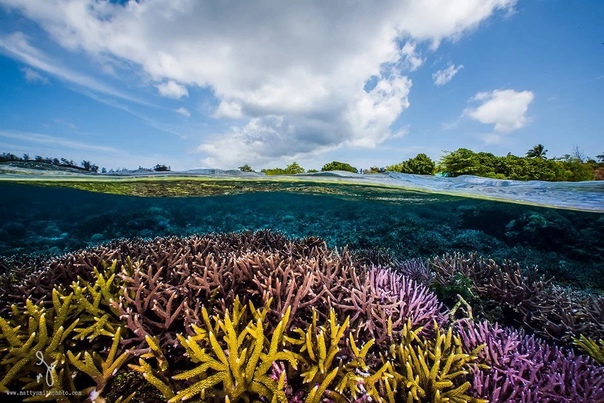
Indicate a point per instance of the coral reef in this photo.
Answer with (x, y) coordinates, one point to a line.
(526, 369)
(259, 317)
(429, 370)
(513, 296)
(594, 349)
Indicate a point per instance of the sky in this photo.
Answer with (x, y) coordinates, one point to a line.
(219, 84)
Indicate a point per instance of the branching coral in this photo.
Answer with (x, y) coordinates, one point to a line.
(100, 368)
(592, 348)
(157, 376)
(526, 369)
(508, 293)
(43, 341)
(46, 345)
(243, 369)
(184, 308)
(429, 370)
(323, 367)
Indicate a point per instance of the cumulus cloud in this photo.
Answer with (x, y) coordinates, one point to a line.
(183, 111)
(442, 77)
(505, 109)
(172, 89)
(410, 56)
(293, 75)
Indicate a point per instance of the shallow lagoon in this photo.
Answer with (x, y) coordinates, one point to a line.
(459, 224)
(408, 215)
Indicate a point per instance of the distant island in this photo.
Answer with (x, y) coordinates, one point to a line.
(534, 165)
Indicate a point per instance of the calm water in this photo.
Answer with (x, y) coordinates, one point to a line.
(409, 224)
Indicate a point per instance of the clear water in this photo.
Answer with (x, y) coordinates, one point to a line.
(407, 215)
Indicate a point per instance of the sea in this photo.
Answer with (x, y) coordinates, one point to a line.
(556, 227)
(535, 345)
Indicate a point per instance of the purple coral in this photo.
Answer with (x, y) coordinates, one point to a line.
(525, 369)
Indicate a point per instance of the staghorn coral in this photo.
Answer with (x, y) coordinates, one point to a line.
(416, 269)
(154, 294)
(37, 340)
(594, 349)
(158, 377)
(161, 283)
(100, 369)
(428, 370)
(525, 369)
(243, 368)
(36, 335)
(326, 369)
(515, 297)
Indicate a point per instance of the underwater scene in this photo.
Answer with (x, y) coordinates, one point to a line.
(219, 286)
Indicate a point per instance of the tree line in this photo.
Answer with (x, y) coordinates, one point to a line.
(533, 166)
(62, 162)
(65, 163)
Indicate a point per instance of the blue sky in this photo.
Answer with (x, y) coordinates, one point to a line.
(195, 84)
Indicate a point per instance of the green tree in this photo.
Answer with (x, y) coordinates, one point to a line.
(246, 168)
(537, 151)
(421, 164)
(459, 162)
(161, 168)
(293, 169)
(339, 166)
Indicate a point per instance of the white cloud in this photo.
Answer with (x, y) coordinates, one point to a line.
(293, 72)
(38, 138)
(442, 77)
(172, 89)
(228, 109)
(506, 109)
(32, 76)
(183, 111)
(410, 56)
(18, 46)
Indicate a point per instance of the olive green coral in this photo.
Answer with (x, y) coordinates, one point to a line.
(320, 356)
(428, 370)
(592, 348)
(39, 342)
(243, 368)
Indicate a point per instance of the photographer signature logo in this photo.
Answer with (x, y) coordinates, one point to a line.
(49, 378)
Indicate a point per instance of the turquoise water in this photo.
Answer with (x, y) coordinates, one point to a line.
(404, 224)
(83, 253)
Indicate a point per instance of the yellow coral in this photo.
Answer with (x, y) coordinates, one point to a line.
(594, 349)
(242, 366)
(318, 349)
(428, 370)
(23, 350)
(108, 366)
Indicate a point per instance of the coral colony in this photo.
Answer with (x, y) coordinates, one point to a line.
(257, 317)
